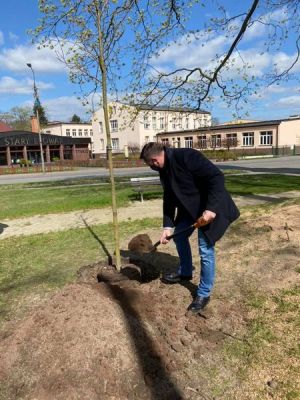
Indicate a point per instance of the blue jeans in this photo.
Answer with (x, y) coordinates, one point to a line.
(207, 257)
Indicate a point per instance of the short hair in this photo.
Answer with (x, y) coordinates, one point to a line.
(151, 149)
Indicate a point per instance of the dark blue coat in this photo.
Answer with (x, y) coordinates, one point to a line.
(195, 184)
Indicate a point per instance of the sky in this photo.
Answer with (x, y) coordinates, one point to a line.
(60, 97)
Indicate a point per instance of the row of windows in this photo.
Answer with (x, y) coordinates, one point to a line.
(160, 123)
(176, 123)
(79, 132)
(230, 140)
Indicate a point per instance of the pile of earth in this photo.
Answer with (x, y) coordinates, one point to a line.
(129, 335)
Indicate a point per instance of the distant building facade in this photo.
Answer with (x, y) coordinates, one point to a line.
(132, 126)
(259, 135)
(18, 145)
(72, 130)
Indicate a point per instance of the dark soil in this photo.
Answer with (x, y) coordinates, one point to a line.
(126, 335)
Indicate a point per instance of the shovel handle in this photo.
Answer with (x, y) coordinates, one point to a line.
(175, 234)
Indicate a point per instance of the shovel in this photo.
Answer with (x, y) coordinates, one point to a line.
(193, 226)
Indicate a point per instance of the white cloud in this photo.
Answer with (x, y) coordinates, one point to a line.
(255, 31)
(44, 60)
(283, 61)
(290, 102)
(189, 52)
(62, 108)
(1, 38)
(13, 86)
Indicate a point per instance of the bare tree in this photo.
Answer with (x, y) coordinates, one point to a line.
(18, 118)
(228, 76)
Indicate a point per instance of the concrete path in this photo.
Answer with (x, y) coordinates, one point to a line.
(136, 210)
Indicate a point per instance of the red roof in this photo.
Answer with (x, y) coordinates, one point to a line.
(4, 127)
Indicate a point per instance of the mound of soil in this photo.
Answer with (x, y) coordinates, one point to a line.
(116, 336)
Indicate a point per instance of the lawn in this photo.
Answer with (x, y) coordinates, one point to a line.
(56, 197)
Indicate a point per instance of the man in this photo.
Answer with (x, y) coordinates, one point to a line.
(194, 191)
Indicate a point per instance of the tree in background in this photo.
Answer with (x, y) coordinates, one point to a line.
(18, 118)
(39, 110)
(75, 119)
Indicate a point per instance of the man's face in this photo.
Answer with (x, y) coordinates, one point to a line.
(157, 162)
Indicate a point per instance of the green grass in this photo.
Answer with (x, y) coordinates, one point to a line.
(261, 184)
(55, 197)
(17, 203)
(35, 264)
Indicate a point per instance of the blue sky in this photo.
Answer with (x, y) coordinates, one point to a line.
(59, 96)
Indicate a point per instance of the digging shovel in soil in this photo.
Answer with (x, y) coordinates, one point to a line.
(193, 226)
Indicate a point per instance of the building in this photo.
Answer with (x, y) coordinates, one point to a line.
(264, 137)
(132, 126)
(18, 145)
(72, 130)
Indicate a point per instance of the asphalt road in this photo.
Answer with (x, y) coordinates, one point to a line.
(281, 165)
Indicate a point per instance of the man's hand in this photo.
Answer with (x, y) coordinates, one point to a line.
(165, 233)
(205, 218)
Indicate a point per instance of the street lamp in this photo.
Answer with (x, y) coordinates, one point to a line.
(36, 103)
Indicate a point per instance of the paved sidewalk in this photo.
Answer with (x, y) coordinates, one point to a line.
(137, 210)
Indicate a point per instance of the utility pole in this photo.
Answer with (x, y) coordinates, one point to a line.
(37, 103)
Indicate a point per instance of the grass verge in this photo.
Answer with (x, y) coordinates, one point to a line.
(58, 197)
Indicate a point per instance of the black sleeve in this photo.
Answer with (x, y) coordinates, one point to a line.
(211, 177)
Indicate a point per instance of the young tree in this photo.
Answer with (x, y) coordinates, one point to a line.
(88, 38)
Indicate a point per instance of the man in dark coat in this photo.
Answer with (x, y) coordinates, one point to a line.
(194, 191)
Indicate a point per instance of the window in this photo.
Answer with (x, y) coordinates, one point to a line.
(174, 123)
(202, 142)
(196, 123)
(154, 122)
(101, 144)
(165, 142)
(231, 140)
(266, 138)
(79, 132)
(187, 123)
(215, 141)
(73, 132)
(188, 141)
(146, 122)
(101, 127)
(180, 123)
(48, 131)
(248, 139)
(176, 142)
(114, 109)
(86, 132)
(114, 125)
(68, 132)
(115, 144)
(91, 132)
(161, 123)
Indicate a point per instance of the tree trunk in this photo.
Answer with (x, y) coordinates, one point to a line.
(102, 66)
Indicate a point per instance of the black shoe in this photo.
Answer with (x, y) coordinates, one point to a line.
(198, 304)
(173, 277)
